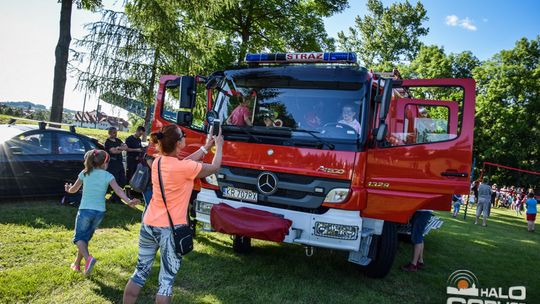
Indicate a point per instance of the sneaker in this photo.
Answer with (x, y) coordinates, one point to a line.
(89, 265)
(75, 267)
(420, 266)
(410, 267)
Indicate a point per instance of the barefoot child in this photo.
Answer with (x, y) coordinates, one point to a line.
(95, 181)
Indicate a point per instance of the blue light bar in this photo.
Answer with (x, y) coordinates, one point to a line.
(315, 57)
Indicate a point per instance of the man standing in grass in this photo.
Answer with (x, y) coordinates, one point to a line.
(134, 151)
(484, 201)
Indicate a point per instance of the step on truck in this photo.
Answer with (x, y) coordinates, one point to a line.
(321, 152)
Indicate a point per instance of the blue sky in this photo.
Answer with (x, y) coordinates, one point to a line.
(29, 32)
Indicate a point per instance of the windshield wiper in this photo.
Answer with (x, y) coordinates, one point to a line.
(312, 133)
(243, 130)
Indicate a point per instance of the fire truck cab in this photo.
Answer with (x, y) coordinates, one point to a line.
(323, 153)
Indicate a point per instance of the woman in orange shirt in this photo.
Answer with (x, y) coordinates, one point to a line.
(178, 178)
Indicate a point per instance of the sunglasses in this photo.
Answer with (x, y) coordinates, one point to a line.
(181, 137)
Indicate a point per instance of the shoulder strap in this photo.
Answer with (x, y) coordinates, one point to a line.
(163, 193)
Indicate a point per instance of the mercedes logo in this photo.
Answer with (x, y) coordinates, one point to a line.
(267, 183)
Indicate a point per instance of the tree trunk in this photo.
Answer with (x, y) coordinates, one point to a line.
(61, 54)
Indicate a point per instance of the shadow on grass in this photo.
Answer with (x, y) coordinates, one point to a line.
(49, 213)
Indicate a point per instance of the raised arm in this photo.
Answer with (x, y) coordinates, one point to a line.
(200, 153)
(212, 168)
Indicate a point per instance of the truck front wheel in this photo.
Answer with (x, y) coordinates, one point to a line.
(383, 249)
(241, 244)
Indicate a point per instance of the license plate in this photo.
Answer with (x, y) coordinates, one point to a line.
(240, 194)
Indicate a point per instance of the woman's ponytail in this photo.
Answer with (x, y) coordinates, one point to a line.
(94, 159)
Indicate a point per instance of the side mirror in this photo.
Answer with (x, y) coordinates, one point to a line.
(184, 118)
(211, 116)
(385, 99)
(188, 89)
(381, 132)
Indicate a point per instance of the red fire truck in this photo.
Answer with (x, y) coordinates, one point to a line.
(323, 153)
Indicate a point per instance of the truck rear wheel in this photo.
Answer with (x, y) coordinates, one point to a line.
(241, 244)
(384, 248)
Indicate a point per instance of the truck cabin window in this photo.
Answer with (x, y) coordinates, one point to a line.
(171, 105)
(329, 110)
(431, 124)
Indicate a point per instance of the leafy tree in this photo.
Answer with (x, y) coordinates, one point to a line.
(270, 25)
(125, 52)
(134, 122)
(507, 129)
(116, 57)
(432, 62)
(463, 64)
(386, 35)
(62, 53)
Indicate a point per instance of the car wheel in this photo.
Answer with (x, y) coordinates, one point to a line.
(241, 244)
(384, 248)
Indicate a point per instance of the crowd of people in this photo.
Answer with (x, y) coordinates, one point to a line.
(485, 197)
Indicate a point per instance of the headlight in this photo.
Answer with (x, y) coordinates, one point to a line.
(203, 207)
(336, 231)
(337, 195)
(212, 180)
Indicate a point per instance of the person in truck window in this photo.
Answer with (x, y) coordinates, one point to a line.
(312, 119)
(178, 181)
(241, 115)
(349, 118)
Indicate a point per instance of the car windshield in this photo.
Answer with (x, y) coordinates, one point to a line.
(293, 99)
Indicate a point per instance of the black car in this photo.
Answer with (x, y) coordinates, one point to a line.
(36, 161)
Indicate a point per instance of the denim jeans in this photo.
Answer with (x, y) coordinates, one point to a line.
(86, 224)
(150, 240)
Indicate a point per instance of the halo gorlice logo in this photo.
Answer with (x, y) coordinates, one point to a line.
(463, 288)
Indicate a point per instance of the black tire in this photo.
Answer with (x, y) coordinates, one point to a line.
(241, 244)
(385, 248)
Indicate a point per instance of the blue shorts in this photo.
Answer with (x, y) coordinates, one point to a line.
(419, 222)
(86, 223)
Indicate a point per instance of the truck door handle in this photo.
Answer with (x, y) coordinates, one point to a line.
(455, 174)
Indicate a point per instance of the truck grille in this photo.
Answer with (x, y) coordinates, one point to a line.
(294, 191)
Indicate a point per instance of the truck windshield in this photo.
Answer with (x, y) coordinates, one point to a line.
(304, 105)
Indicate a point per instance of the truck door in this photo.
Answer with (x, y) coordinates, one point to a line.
(426, 154)
(189, 116)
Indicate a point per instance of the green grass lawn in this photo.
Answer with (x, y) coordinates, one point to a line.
(36, 251)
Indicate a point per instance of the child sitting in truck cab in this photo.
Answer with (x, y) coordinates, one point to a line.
(348, 115)
(241, 115)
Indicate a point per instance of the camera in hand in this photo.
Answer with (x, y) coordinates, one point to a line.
(216, 125)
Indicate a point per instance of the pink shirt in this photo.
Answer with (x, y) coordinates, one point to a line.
(177, 176)
(238, 114)
(354, 124)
